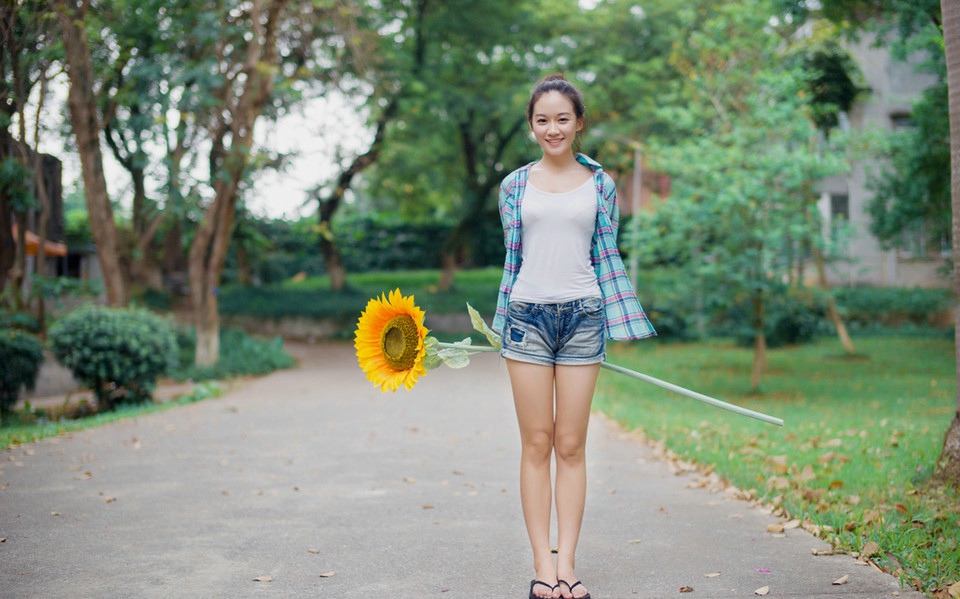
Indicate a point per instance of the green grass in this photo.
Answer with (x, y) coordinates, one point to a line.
(29, 425)
(861, 439)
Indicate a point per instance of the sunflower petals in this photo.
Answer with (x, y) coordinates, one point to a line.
(367, 341)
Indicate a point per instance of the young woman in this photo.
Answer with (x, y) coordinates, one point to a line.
(564, 292)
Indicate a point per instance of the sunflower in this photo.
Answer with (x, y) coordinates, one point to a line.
(390, 341)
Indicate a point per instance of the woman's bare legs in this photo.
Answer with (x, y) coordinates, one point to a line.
(533, 397)
(575, 387)
(543, 433)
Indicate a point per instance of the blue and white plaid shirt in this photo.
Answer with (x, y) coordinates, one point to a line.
(625, 318)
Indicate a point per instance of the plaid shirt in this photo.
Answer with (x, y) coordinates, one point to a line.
(625, 318)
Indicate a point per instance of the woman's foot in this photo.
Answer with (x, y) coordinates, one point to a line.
(543, 590)
(574, 590)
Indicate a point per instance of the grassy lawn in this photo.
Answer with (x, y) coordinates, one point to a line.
(861, 438)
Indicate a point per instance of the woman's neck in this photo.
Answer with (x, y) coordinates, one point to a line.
(558, 163)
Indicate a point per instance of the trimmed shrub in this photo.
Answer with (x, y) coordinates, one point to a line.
(240, 354)
(21, 355)
(117, 353)
(895, 306)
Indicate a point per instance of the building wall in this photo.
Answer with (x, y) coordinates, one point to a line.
(894, 86)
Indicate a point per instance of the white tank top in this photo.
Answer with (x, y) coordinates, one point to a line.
(556, 239)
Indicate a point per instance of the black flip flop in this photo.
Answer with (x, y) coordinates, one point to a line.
(573, 586)
(534, 583)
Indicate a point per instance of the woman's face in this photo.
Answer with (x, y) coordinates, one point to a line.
(555, 124)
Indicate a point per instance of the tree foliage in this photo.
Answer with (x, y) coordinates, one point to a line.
(744, 153)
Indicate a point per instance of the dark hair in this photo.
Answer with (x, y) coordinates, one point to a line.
(557, 83)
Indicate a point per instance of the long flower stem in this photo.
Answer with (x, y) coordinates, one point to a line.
(653, 381)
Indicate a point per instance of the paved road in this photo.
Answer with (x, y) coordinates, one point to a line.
(313, 479)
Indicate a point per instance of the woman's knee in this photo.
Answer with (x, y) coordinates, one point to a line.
(570, 449)
(538, 445)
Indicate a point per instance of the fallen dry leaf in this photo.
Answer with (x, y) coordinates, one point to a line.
(791, 525)
(314, 551)
(409, 480)
(821, 551)
(109, 499)
(712, 575)
(3, 539)
(328, 574)
(954, 590)
(686, 589)
(263, 579)
(633, 541)
(842, 580)
(869, 548)
(776, 527)
(762, 591)
(427, 506)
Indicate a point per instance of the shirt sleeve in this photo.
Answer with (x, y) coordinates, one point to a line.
(610, 200)
(506, 206)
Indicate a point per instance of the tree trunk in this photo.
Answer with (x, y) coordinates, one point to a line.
(949, 465)
(238, 117)
(7, 243)
(244, 271)
(43, 199)
(456, 247)
(18, 273)
(206, 260)
(832, 313)
(332, 259)
(449, 264)
(759, 343)
(86, 129)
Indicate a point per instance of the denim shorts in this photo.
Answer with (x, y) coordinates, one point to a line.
(569, 333)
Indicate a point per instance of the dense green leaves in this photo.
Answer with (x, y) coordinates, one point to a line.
(117, 353)
(21, 355)
(745, 154)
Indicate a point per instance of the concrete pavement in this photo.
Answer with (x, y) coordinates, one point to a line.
(311, 483)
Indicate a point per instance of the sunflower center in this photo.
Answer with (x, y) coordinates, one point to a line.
(398, 342)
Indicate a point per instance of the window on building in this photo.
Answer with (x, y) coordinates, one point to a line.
(839, 206)
(902, 121)
(839, 215)
(919, 243)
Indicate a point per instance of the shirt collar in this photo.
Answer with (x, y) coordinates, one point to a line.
(588, 162)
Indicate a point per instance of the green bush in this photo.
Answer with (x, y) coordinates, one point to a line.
(117, 353)
(791, 316)
(21, 355)
(894, 306)
(240, 354)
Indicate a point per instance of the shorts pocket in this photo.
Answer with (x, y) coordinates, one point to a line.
(593, 308)
(519, 308)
